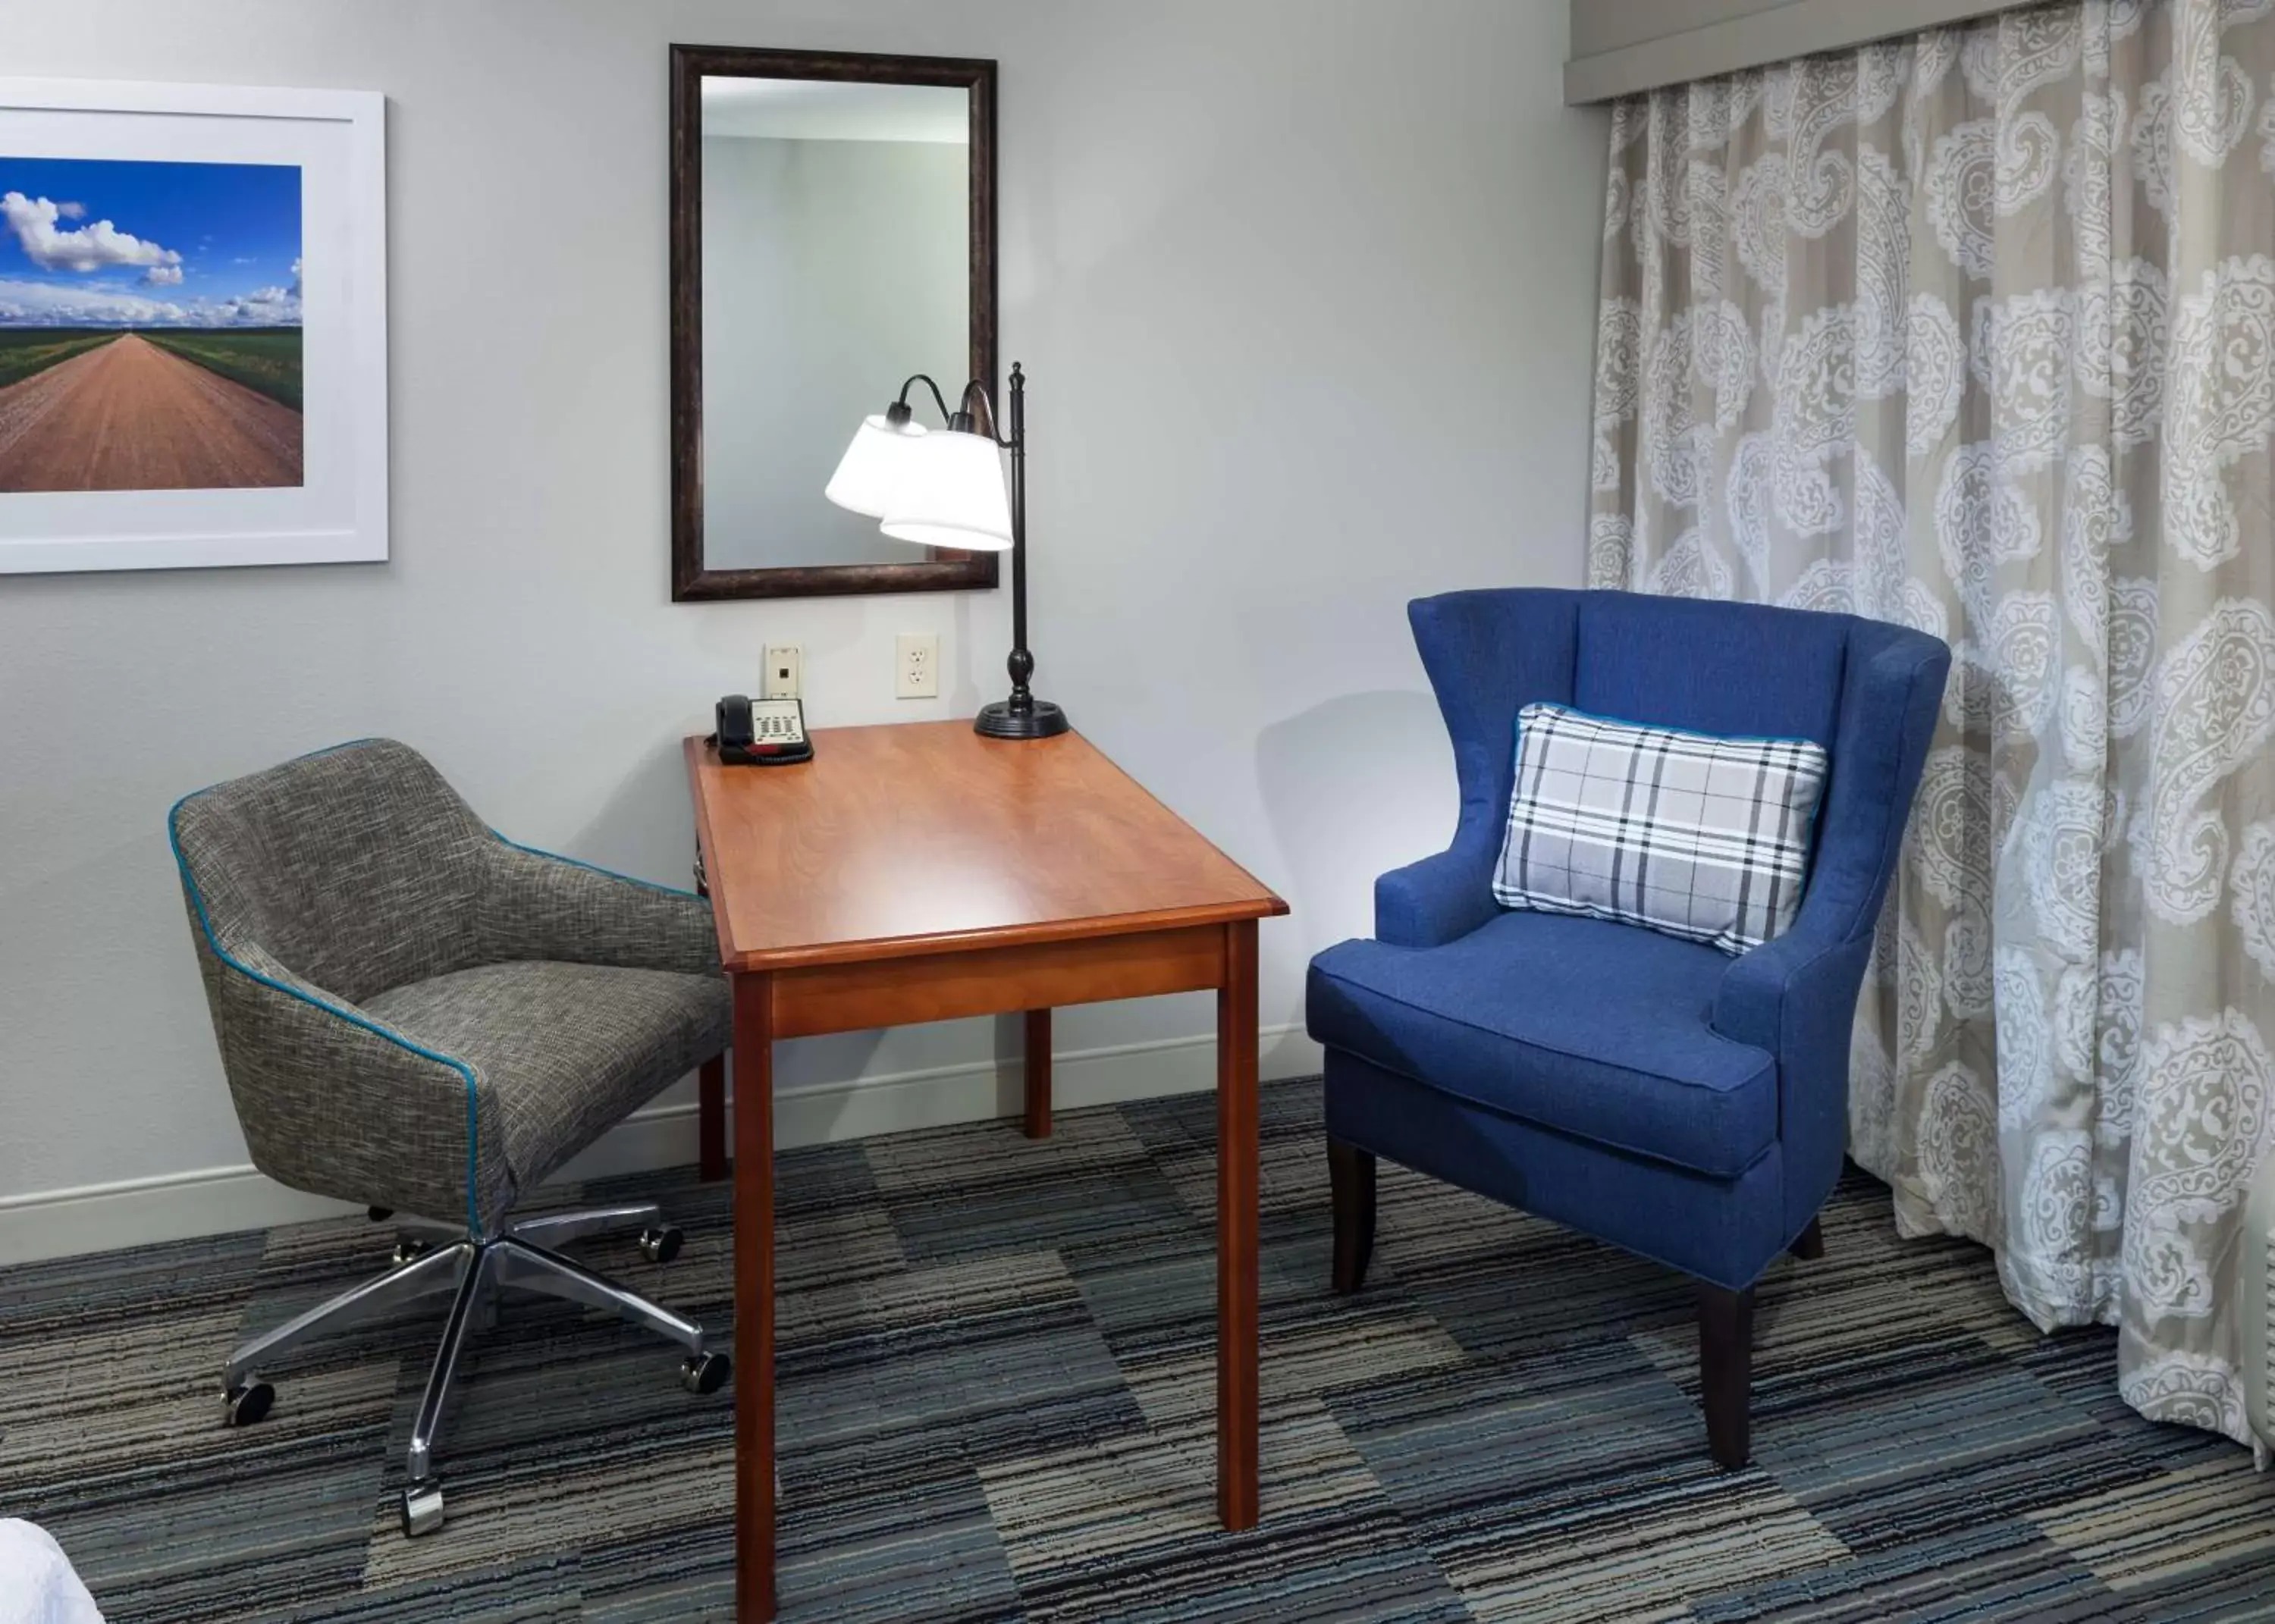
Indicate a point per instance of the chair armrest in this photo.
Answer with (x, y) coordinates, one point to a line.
(1750, 1000)
(336, 1102)
(1796, 996)
(535, 905)
(1438, 899)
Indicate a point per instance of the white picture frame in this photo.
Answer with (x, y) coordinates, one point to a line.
(336, 140)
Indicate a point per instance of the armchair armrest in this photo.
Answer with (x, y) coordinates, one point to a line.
(1436, 901)
(336, 1102)
(1750, 1002)
(535, 905)
(1796, 996)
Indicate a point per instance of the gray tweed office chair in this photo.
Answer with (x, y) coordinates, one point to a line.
(417, 1014)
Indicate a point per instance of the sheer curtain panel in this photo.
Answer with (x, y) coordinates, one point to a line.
(1975, 331)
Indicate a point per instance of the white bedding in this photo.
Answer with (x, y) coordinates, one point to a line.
(37, 1585)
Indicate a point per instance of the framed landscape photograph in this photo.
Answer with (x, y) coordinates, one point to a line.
(192, 326)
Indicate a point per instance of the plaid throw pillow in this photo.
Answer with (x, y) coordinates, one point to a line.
(1701, 837)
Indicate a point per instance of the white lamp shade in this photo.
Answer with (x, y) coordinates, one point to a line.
(952, 495)
(874, 467)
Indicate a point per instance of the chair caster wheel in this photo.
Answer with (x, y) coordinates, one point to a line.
(246, 1402)
(704, 1374)
(422, 1507)
(660, 1245)
(408, 1251)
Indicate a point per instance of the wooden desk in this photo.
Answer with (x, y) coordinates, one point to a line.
(917, 873)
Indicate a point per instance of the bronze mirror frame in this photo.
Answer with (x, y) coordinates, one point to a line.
(939, 570)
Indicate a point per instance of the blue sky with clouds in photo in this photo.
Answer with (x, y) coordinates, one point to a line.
(101, 241)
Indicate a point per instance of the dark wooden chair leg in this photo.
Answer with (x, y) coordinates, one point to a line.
(1350, 1174)
(711, 1119)
(1809, 1246)
(1725, 1369)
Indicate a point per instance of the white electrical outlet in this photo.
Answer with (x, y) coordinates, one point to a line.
(916, 665)
(785, 676)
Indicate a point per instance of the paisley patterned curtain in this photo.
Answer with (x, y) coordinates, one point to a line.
(1975, 331)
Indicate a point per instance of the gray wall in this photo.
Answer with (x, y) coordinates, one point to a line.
(1620, 46)
(831, 271)
(1307, 287)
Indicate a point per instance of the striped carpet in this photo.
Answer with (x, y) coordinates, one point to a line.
(996, 1404)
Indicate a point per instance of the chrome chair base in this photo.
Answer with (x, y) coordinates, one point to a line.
(431, 1259)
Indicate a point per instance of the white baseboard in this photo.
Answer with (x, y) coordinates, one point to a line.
(92, 1218)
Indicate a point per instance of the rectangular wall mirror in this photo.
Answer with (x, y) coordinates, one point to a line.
(832, 231)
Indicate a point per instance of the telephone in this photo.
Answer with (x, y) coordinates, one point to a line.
(761, 732)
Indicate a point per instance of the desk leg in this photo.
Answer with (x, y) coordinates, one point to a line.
(1235, 1229)
(711, 1119)
(1039, 1074)
(754, 1298)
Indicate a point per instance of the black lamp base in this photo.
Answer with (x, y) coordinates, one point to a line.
(1042, 720)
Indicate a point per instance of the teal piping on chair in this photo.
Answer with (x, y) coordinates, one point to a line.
(205, 925)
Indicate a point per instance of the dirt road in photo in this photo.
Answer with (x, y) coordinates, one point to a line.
(130, 417)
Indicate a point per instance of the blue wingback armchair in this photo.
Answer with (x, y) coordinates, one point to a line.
(1656, 1093)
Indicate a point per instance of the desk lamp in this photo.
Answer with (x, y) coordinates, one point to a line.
(944, 487)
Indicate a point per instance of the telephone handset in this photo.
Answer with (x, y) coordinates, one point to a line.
(761, 732)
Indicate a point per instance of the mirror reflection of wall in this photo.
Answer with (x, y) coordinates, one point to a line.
(835, 262)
